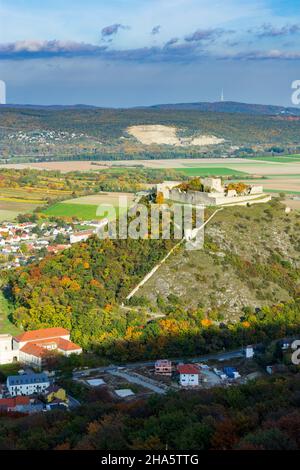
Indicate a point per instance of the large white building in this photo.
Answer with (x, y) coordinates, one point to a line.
(7, 353)
(34, 347)
(27, 384)
(77, 237)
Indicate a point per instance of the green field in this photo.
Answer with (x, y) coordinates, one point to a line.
(266, 190)
(285, 159)
(210, 171)
(81, 211)
(85, 207)
(6, 326)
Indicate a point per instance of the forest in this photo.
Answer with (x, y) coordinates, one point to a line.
(260, 415)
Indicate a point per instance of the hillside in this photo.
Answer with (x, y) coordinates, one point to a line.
(251, 258)
(217, 106)
(198, 302)
(232, 107)
(96, 133)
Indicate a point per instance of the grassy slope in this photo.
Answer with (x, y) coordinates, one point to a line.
(5, 324)
(204, 278)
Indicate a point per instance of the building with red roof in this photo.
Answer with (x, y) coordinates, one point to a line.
(188, 375)
(14, 404)
(37, 345)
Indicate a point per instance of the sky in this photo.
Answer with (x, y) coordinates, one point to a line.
(123, 53)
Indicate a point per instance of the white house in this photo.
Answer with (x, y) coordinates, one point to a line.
(27, 384)
(188, 375)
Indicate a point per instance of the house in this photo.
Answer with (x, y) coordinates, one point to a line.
(14, 404)
(81, 236)
(27, 384)
(37, 345)
(7, 352)
(188, 375)
(54, 392)
(56, 248)
(163, 367)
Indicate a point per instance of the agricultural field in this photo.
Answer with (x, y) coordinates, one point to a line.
(62, 183)
(11, 208)
(252, 166)
(289, 184)
(281, 159)
(85, 208)
(24, 200)
(210, 171)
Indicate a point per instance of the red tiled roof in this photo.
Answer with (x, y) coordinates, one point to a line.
(40, 349)
(34, 350)
(188, 369)
(55, 248)
(83, 232)
(46, 333)
(13, 402)
(66, 345)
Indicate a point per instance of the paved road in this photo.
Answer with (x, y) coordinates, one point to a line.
(133, 378)
(222, 356)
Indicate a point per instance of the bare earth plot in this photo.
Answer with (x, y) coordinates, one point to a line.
(168, 135)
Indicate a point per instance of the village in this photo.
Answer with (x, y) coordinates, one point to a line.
(23, 243)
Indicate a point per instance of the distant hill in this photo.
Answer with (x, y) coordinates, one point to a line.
(231, 107)
(54, 107)
(79, 131)
(205, 106)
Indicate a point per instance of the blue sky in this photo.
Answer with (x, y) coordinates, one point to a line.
(134, 52)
